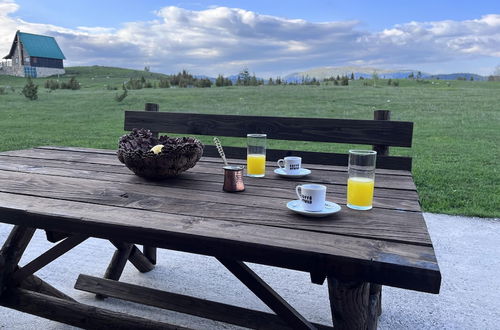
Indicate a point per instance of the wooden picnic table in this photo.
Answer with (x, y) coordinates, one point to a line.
(76, 193)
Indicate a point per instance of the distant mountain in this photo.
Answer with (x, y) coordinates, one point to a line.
(367, 73)
(455, 76)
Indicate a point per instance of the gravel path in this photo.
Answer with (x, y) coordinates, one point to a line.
(468, 250)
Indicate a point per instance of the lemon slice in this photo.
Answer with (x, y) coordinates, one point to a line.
(157, 148)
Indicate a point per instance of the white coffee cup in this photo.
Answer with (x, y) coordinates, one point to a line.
(290, 164)
(312, 196)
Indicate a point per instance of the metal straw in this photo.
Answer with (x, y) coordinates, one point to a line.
(220, 150)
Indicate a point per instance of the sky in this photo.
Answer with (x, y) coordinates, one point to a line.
(270, 38)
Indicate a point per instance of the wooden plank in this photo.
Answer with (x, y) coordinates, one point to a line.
(47, 257)
(369, 260)
(265, 293)
(385, 181)
(203, 167)
(392, 133)
(104, 159)
(76, 314)
(278, 187)
(184, 304)
(378, 223)
(312, 157)
(217, 159)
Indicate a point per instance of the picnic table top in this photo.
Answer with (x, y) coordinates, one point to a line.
(88, 191)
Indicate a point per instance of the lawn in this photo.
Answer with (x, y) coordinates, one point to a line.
(457, 124)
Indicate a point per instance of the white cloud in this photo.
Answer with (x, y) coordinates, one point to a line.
(224, 40)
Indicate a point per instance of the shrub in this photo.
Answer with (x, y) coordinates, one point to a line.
(2, 91)
(164, 83)
(122, 96)
(72, 84)
(30, 90)
(52, 84)
(134, 83)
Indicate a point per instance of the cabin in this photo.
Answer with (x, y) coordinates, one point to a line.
(33, 55)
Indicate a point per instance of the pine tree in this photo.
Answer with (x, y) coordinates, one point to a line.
(30, 90)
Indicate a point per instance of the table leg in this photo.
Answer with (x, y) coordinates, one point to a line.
(12, 251)
(150, 253)
(349, 302)
(375, 308)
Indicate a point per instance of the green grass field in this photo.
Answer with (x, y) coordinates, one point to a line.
(457, 125)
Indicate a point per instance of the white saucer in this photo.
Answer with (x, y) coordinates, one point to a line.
(330, 208)
(302, 172)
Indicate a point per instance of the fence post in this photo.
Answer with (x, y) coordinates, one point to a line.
(382, 150)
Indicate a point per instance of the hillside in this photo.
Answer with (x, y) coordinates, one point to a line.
(96, 71)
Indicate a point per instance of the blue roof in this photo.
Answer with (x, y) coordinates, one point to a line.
(41, 46)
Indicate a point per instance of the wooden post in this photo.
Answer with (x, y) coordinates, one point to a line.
(349, 302)
(155, 108)
(117, 264)
(150, 251)
(375, 308)
(12, 251)
(382, 150)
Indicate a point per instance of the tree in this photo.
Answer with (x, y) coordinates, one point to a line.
(244, 78)
(219, 81)
(352, 75)
(411, 76)
(30, 90)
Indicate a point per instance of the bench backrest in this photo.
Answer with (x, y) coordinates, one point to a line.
(379, 133)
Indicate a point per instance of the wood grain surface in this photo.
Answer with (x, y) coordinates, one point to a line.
(85, 191)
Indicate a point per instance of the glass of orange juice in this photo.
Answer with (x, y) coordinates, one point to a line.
(361, 181)
(256, 155)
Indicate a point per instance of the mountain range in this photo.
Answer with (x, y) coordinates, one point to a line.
(368, 72)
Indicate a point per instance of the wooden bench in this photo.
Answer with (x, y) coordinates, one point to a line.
(381, 133)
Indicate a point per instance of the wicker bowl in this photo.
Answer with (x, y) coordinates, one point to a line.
(177, 155)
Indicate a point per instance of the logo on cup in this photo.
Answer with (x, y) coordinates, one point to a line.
(306, 199)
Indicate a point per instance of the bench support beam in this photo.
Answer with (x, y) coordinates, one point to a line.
(265, 293)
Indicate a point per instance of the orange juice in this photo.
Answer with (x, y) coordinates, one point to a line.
(256, 165)
(360, 193)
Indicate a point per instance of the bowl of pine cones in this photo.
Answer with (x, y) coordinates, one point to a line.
(158, 158)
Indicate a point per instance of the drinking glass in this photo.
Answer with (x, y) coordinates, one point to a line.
(256, 155)
(361, 181)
